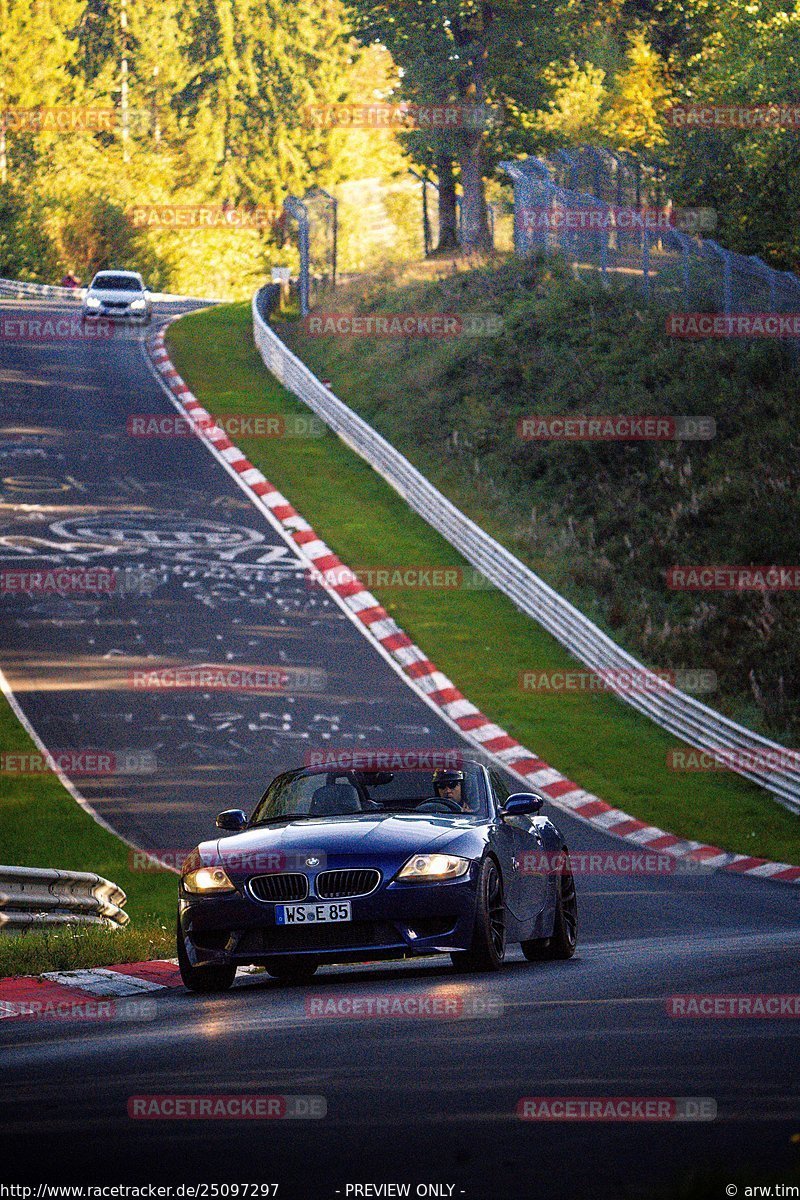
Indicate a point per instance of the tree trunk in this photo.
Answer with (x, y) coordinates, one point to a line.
(475, 233)
(448, 215)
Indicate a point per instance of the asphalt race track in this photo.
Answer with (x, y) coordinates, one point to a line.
(202, 577)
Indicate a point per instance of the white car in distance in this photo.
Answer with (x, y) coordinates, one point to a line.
(120, 295)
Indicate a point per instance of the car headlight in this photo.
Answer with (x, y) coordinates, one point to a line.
(92, 302)
(138, 304)
(434, 866)
(204, 881)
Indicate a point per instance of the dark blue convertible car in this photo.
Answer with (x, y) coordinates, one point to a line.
(344, 865)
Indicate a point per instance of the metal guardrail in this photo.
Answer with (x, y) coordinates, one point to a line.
(758, 759)
(33, 897)
(18, 289)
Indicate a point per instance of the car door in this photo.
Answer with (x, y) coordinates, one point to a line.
(528, 892)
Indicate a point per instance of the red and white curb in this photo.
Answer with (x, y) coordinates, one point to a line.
(75, 994)
(474, 726)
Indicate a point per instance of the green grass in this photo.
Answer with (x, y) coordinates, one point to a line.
(77, 946)
(477, 638)
(42, 826)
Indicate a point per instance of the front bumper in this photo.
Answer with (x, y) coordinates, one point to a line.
(395, 921)
(138, 317)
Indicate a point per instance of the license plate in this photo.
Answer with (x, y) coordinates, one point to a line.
(312, 914)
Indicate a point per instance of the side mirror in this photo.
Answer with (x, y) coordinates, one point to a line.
(522, 804)
(233, 820)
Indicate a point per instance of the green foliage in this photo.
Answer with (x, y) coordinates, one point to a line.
(466, 52)
(219, 97)
(749, 176)
(589, 106)
(25, 248)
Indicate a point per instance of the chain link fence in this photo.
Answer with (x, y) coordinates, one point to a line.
(366, 225)
(610, 213)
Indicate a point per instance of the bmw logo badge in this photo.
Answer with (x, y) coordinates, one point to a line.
(312, 862)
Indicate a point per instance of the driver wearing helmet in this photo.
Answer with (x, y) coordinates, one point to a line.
(448, 784)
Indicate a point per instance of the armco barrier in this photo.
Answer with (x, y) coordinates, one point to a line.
(31, 897)
(44, 291)
(680, 714)
(12, 287)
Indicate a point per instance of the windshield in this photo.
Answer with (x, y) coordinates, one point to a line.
(336, 793)
(117, 283)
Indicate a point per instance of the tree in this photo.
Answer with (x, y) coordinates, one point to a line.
(636, 118)
(478, 54)
(36, 58)
(751, 60)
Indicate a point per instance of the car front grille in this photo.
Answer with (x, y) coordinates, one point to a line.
(339, 885)
(281, 886)
(345, 935)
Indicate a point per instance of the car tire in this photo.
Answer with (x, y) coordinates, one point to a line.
(564, 939)
(211, 978)
(291, 970)
(488, 947)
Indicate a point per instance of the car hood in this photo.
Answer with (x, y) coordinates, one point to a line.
(107, 294)
(344, 841)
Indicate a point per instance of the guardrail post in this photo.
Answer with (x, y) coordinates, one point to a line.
(298, 211)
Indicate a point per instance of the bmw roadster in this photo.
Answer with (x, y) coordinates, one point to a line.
(342, 865)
